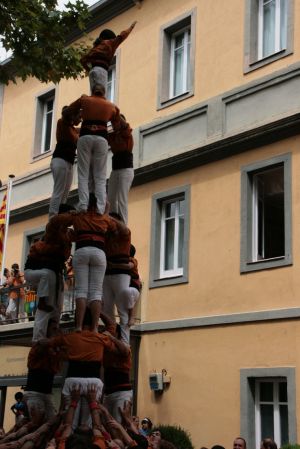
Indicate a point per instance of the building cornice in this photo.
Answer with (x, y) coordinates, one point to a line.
(221, 149)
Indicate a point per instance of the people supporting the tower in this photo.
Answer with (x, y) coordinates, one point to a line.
(98, 60)
(122, 174)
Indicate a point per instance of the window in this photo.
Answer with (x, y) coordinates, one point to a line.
(111, 84)
(44, 123)
(266, 214)
(170, 230)
(271, 410)
(268, 31)
(177, 56)
(271, 27)
(268, 405)
(180, 62)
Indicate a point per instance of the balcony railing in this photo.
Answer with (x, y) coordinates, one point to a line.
(26, 303)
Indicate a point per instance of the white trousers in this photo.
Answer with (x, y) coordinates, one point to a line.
(62, 172)
(44, 280)
(115, 400)
(40, 401)
(116, 291)
(92, 159)
(98, 75)
(16, 307)
(89, 265)
(82, 411)
(119, 184)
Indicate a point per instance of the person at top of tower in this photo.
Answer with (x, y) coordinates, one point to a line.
(97, 60)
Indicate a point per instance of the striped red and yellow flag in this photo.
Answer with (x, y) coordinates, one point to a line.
(3, 211)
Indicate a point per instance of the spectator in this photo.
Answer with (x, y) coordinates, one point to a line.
(4, 288)
(268, 443)
(239, 443)
(19, 408)
(2, 313)
(146, 426)
(16, 305)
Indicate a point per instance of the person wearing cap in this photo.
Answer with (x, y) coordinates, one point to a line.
(92, 146)
(146, 426)
(98, 60)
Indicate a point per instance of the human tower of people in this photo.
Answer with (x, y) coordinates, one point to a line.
(106, 278)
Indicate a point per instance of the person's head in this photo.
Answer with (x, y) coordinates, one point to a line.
(239, 443)
(2, 309)
(6, 272)
(154, 439)
(15, 269)
(107, 34)
(217, 446)
(79, 441)
(164, 444)
(98, 90)
(268, 443)
(146, 424)
(19, 396)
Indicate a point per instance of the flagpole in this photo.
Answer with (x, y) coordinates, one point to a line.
(9, 190)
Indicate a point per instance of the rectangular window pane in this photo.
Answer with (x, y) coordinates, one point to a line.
(267, 421)
(178, 72)
(170, 209)
(169, 244)
(180, 243)
(269, 28)
(284, 427)
(282, 392)
(48, 127)
(270, 227)
(266, 391)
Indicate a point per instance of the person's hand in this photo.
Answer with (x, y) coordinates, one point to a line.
(75, 393)
(125, 412)
(91, 393)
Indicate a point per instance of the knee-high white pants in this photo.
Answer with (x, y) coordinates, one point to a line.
(98, 75)
(89, 265)
(62, 172)
(92, 159)
(116, 291)
(119, 184)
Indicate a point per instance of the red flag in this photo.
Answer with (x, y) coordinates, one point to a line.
(3, 212)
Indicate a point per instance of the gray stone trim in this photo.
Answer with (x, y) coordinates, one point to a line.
(15, 381)
(188, 18)
(247, 378)
(219, 320)
(246, 265)
(154, 278)
(251, 61)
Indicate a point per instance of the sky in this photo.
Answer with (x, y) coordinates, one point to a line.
(60, 4)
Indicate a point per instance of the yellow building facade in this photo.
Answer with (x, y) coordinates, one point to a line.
(210, 89)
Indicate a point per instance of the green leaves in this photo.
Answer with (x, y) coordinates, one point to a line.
(36, 32)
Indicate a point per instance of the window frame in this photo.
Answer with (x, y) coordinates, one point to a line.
(28, 237)
(247, 263)
(252, 54)
(276, 405)
(248, 377)
(42, 100)
(157, 278)
(167, 31)
(45, 123)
